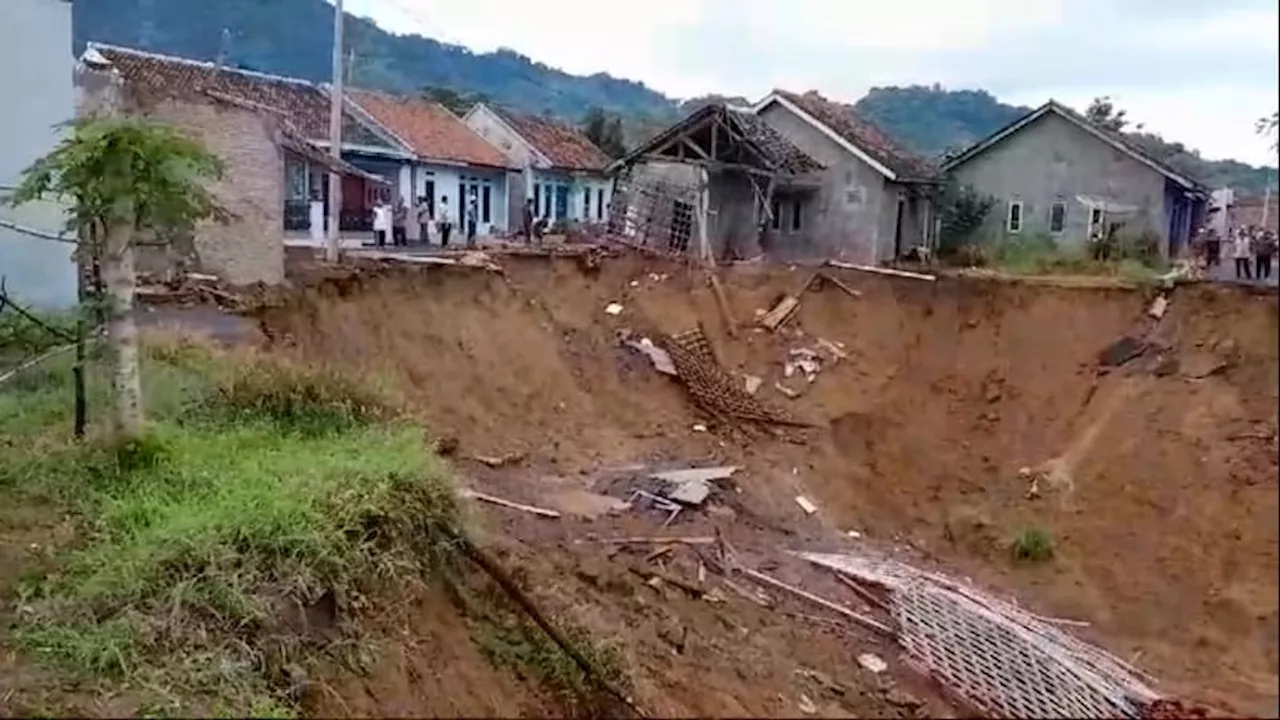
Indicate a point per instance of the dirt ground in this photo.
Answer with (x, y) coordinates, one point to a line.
(1160, 491)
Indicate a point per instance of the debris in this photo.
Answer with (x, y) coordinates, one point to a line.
(882, 271)
(806, 505)
(782, 311)
(722, 302)
(752, 383)
(672, 509)
(613, 309)
(497, 461)
(861, 592)
(1198, 365)
(694, 540)
(806, 705)
(836, 349)
(1122, 351)
(659, 357)
(699, 427)
(696, 474)
(836, 607)
(691, 492)
(509, 504)
(793, 394)
(873, 663)
(652, 575)
(854, 534)
(806, 360)
(1158, 306)
(758, 597)
(902, 699)
(840, 284)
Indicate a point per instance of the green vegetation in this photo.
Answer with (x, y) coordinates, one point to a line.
(1034, 545)
(205, 542)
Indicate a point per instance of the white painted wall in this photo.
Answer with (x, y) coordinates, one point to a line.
(36, 76)
(447, 178)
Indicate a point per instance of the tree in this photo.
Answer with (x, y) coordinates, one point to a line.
(605, 132)
(458, 103)
(1268, 127)
(961, 212)
(1103, 113)
(123, 177)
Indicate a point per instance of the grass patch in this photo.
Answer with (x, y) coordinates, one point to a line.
(1042, 255)
(1033, 545)
(261, 496)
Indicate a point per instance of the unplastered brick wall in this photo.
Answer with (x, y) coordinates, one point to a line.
(250, 248)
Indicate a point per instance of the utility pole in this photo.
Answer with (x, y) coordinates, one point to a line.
(331, 250)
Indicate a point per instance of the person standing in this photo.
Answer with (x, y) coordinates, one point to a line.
(526, 223)
(423, 211)
(1240, 250)
(444, 222)
(1212, 248)
(471, 219)
(381, 222)
(399, 222)
(1264, 246)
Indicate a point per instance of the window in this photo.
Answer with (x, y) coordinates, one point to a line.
(1095, 218)
(484, 203)
(600, 204)
(586, 204)
(796, 206)
(775, 210)
(1015, 216)
(1057, 217)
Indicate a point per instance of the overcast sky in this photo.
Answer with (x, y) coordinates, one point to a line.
(1198, 71)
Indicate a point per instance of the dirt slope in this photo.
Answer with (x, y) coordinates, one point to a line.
(1160, 487)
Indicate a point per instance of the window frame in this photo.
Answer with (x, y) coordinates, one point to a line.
(1008, 219)
(1062, 220)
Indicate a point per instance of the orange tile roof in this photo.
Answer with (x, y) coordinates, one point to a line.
(566, 147)
(430, 130)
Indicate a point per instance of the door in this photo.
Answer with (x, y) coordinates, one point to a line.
(897, 230)
(562, 202)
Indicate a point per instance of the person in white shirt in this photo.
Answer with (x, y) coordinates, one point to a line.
(381, 222)
(1240, 249)
(444, 221)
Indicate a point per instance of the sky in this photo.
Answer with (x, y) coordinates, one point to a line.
(1200, 72)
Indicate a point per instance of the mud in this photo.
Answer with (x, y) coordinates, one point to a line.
(965, 412)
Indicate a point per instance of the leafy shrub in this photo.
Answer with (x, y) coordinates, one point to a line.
(1033, 545)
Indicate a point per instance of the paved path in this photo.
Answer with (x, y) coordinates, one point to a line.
(1226, 272)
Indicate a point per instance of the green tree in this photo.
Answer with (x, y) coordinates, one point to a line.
(1268, 126)
(123, 177)
(962, 210)
(458, 103)
(1103, 113)
(605, 132)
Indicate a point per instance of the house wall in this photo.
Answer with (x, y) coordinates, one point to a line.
(544, 181)
(446, 179)
(250, 248)
(850, 216)
(35, 50)
(1053, 160)
(489, 126)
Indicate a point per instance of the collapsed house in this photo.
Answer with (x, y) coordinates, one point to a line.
(707, 186)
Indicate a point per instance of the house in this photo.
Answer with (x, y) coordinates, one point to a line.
(36, 52)
(451, 162)
(563, 171)
(263, 127)
(1253, 211)
(874, 200)
(707, 186)
(1054, 173)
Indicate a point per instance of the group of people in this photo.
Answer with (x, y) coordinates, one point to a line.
(394, 220)
(1252, 248)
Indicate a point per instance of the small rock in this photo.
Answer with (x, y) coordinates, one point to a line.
(873, 663)
(613, 309)
(903, 699)
(806, 705)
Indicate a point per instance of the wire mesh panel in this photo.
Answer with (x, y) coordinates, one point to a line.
(653, 214)
(1001, 658)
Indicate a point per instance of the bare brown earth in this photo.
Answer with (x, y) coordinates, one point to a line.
(1161, 489)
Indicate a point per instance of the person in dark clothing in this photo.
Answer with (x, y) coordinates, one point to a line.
(399, 223)
(526, 224)
(1213, 248)
(1264, 247)
(444, 221)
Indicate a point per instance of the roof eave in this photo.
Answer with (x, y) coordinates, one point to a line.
(821, 127)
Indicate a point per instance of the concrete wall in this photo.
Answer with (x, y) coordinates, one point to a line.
(1053, 160)
(851, 216)
(37, 80)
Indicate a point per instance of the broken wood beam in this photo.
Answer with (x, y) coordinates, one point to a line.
(882, 271)
(495, 500)
(828, 277)
(858, 618)
(695, 540)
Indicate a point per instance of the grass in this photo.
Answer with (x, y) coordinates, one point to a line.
(1033, 545)
(262, 487)
(1041, 255)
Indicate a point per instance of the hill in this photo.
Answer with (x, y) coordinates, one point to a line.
(290, 37)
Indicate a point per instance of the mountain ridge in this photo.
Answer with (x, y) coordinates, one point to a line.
(290, 37)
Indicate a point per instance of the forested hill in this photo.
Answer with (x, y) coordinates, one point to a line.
(291, 37)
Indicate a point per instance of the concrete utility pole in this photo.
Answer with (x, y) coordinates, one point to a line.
(331, 249)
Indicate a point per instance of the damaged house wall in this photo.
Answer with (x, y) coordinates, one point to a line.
(852, 214)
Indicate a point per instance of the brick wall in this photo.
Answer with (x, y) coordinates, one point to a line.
(251, 247)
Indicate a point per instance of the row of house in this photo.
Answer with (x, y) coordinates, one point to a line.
(795, 177)
(799, 176)
(272, 133)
